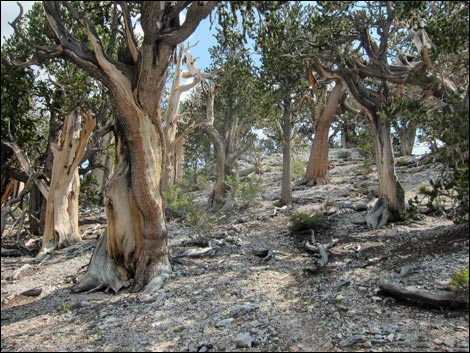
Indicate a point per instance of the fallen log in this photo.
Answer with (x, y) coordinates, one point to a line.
(416, 296)
(209, 251)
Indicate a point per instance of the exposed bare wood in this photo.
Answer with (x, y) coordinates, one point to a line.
(61, 223)
(321, 250)
(416, 296)
(128, 31)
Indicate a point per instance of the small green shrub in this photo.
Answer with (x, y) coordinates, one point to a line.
(298, 168)
(249, 190)
(88, 197)
(425, 189)
(459, 279)
(180, 203)
(302, 221)
(344, 155)
(234, 184)
(412, 211)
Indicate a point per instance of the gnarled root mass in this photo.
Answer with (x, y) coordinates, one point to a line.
(379, 215)
(103, 272)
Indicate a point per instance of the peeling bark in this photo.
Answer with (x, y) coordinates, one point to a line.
(103, 272)
(61, 223)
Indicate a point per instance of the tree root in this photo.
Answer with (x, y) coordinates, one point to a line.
(379, 215)
(103, 272)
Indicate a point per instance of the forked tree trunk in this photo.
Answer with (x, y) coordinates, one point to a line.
(178, 159)
(38, 201)
(317, 167)
(61, 223)
(286, 184)
(391, 203)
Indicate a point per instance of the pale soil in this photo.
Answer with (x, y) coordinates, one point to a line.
(280, 304)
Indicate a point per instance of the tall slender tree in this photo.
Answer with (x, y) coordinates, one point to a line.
(284, 77)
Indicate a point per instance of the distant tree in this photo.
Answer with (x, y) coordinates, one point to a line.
(283, 76)
(324, 111)
(355, 46)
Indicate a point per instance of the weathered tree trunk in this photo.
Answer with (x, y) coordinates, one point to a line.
(219, 193)
(286, 184)
(61, 223)
(391, 203)
(37, 208)
(346, 140)
(317, 167)
(174, 139)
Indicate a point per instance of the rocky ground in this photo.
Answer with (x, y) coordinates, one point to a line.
(236, 301)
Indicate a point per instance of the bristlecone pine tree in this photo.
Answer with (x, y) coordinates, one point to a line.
(134, 70)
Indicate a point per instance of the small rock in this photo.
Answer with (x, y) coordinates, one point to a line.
(438, 341)
(224, 323)
(375, 330)
(422, 345)
(406, 270)
(242, 310)
(449, 342)
(361, 207)
(243, 340)
(32, 292)
(17, 273)
(359, 220)
(390, 337)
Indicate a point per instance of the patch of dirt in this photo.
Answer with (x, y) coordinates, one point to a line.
(280, 303)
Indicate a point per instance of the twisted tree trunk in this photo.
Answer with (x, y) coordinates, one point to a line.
(391, 203)
(317, 167)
